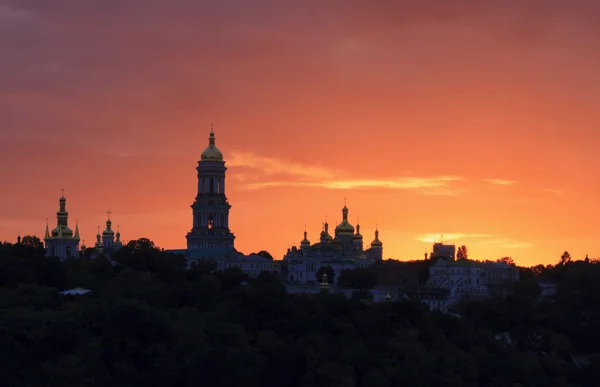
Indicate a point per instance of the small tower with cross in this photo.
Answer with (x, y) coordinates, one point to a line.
(108, 235)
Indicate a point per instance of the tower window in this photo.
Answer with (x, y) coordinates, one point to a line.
(212, 186)
(210, 221)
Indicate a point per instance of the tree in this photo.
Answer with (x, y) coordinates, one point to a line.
(142, 244)
(507, 260)
(358, 278)
(265, 254)
(325, 269)
(462, 253)
(565, 258)
(32, 242)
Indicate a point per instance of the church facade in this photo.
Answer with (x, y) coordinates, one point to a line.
(62, 242)
(345, 250)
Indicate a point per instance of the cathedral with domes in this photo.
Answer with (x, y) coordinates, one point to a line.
(345, 250)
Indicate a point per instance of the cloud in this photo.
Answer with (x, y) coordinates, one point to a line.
(272, 166)
(475, 239)
(552, 191)
(319, 177)
(500, 182)
(451, 237)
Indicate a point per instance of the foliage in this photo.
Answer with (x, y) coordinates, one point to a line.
(264, 254)
(565, 258)
(149, 322)
(507, 260)
(358, 278)
(462, 253)
(32, 242)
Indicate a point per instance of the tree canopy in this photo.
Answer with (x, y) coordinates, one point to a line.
(150, 322)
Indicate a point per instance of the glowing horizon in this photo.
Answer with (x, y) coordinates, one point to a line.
(472, 121)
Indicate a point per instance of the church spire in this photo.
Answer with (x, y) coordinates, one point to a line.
(76, 237)
(98, 238)
(47, 235)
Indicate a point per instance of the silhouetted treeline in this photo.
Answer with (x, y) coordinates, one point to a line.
(150, 322)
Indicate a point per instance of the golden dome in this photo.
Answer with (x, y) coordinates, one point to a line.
(358, 234)
(62, 231)
(376, 242)
(345, 227)
(305, 242)
(211, 153)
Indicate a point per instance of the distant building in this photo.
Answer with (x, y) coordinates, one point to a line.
(106, 244)
(210, 237)
(343, 251)
(435, 298)
(440, 250)
(471, 279)
(62, 242)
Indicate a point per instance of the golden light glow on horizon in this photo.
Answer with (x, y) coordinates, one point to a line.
(479, 121)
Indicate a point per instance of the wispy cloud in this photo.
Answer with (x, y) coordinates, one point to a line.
(552, 191)
(500, 181)
(451, 237)
(319, 177)
(475, 239)
(272, 166)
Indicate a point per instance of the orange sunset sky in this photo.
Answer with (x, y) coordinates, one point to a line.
(478, 120)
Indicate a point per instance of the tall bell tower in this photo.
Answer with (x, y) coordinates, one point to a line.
(210, 236)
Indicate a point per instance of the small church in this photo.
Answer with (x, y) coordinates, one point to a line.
(106, 244)
(62, 242)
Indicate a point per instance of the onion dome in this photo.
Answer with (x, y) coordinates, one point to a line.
(211, 153)
(62, 231)
(357, 236)
(305, 242)
(325, 236)
(344, 228)
(376, 242)
(108, 232)
(118, 242)
(98, 239)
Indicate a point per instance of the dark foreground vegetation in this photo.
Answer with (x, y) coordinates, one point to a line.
(150, 322)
